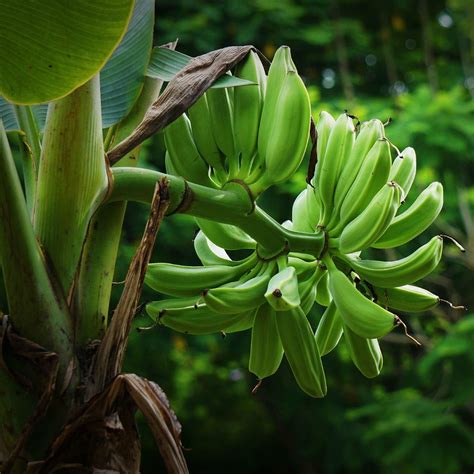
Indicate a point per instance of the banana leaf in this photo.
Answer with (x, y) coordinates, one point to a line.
(56, 45)
(122, 77)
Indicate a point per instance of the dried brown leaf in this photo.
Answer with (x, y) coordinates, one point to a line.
(104, 430)
(108, 362)
(182, 92)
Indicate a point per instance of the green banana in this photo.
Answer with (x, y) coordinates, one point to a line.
(197, 319)
(299, 213)
(227, 236)
(417, 218)
(363, 316)
(170, 169)
(282, 291)
(242, 297)
(156, 308)
(307, 290)
(243, 324)
(285, 149)
(369, 133)
(403, 170)
(281, 64)
(323, 296)
(209, 253)
(339, 147)
(324, 127)
(183, 154)
(304, 268)
(181, 280)
(313, 206)
(400, 272)
(248, 105)
(222, 121)
(185, 315)
(372, 222)
(365, 353)
(407, 298)
(373, 174)
(243, 133)
(266, 350)
(200, 118)
(302, 351)
(329, 330)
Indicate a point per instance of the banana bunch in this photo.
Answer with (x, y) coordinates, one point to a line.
(357, 199)
(243, 133)
(270, 297)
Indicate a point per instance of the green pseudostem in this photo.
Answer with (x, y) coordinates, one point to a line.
(94, 284)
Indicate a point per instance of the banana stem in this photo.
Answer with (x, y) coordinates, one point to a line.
(29, 171)
(32, 295)
(93, 287)
(30, 151)
(230, 206)
(137, 184)
(282, 262)
(327, 260)
(29, 126)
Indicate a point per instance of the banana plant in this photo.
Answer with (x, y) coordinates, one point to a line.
(83, 77)
(80, 96)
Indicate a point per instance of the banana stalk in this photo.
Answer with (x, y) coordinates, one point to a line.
(94, 283)
(32, 293)
(31, 151)
(228, 205)
(72, 180)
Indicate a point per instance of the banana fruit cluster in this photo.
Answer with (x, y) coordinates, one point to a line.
(270, 297)
(356, 199)
(243, 133)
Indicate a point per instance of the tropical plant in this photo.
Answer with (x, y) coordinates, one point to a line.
(78, 102)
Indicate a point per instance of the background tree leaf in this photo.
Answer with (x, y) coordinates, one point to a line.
(122, 77)
(50, 48)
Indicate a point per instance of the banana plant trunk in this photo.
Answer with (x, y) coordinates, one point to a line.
(63, 403)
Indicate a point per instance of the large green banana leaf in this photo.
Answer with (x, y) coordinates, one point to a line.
(49, 48)
(122, 78)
